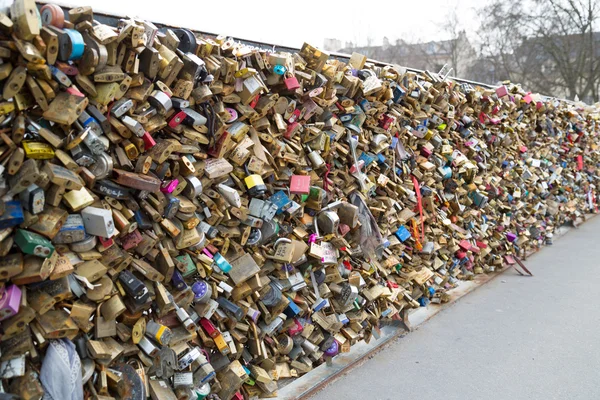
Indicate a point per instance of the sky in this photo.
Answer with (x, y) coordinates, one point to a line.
(292, 23)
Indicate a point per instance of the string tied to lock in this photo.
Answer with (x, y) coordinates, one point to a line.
(420, 207)
(326, 177)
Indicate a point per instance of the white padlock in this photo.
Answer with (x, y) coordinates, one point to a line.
(98, 222)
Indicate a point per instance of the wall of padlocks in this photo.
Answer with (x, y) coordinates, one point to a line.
(186, 217)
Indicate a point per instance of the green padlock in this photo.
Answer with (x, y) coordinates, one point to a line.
(32, 243)
(189, 268)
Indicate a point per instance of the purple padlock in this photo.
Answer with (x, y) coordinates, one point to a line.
(511, 237)
(10, 301)
(169, 186)
(202, 292)
(333, 349)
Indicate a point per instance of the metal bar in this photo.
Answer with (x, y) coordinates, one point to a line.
(113, 19)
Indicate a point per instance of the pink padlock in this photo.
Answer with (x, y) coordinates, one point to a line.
(207, 253)
(169, 186)
(237, 396)
(425, 152)
(149, 141)
(10, 301)
(502, 91)
(74, 91)
(296, 328)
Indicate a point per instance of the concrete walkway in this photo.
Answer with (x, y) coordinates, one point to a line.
(514, 338)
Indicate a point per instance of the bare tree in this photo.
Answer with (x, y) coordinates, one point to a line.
(455, 45)
(548, 45)
(455, 50)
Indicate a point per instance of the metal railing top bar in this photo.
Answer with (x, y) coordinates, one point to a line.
(112, 19)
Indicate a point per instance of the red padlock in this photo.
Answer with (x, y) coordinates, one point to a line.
(291, 83)
(177, 119)
(209, 328)
(295, 115)
(106, 242)
(149, 141)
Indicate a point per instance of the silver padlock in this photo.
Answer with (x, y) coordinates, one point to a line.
(121, 107)
(82, 156)
(194, 118)
(328, 222)
(183, 380)
(193, 188)
(94, 143)
(187, 359)
(102, 166)
(316, 160)
(87, 244)
(161, 101)
(98, 222)
(179, 103)
(134, 126)
(256, 206)
(33, 199)
(147, 347)
(269, 211)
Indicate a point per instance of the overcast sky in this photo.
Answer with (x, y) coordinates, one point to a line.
(292, 23)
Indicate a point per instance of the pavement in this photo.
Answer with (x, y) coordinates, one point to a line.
(514, 338)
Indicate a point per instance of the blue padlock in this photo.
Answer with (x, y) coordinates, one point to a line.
(402, 233)
(76, 42)
(446, 172)
(368, 159)
(292, 309)
(143, 221)
(13, 214)
(177, 280)
(318, 306)
(281, 200)
(365, 105)
(172, 206)
(221, 263)
(279, 69)
(398, 94)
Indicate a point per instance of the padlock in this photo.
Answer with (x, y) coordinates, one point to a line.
(184, 318)
(10, 300)
(134, 287)
(202, 291)
(147, 347)
(255, 185)
(158, 332)
(32, 243)
(98, 222)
